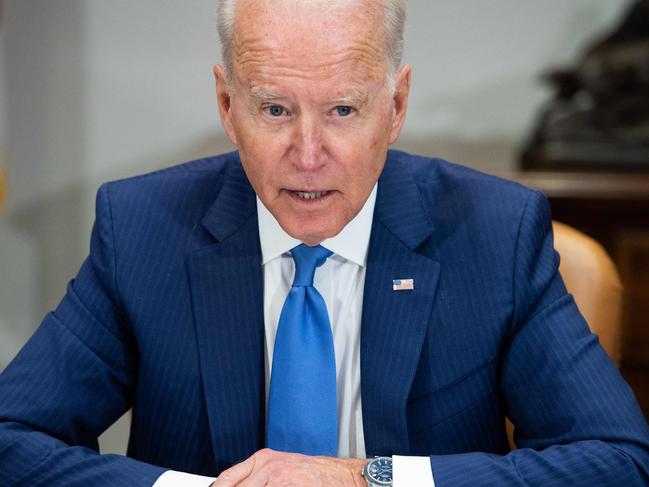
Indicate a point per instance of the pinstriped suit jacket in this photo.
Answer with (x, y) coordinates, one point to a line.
(165, 316)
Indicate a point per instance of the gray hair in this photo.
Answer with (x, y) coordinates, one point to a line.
(394, 24)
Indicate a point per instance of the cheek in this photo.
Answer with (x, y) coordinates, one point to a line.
(261, 145)
(261, 156)
(378, 142)
(260, 172)
(258, 166)
(360, 159)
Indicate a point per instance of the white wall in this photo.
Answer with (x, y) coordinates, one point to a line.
(96, 90)
(105, 89)
(2, 92)
(477, 63)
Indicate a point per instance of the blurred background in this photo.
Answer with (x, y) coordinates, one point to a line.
(93, 90)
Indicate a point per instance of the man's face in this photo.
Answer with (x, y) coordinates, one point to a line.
(310, 110)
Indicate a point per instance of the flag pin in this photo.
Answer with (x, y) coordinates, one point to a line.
(403, 284)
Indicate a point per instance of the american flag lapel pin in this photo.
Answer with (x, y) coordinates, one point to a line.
(403, 284)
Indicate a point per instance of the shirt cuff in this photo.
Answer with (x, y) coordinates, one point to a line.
(172, 478)
(411, 472)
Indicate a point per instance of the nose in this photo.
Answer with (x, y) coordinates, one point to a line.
(308, 144)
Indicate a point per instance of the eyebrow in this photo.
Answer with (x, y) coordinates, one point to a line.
(355, 98)
(262, 95)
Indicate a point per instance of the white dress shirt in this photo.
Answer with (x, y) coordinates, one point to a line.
(340, 281)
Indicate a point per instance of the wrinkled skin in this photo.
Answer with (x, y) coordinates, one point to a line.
(310, 109)
(271, 468)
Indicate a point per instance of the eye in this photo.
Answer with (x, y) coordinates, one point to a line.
(275, 110)
(344, 111)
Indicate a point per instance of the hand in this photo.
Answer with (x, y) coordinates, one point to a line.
(272, 468)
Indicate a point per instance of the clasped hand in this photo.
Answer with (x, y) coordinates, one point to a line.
(272, 468)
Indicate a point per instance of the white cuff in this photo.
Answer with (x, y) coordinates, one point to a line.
(411, 472)
(180, 479)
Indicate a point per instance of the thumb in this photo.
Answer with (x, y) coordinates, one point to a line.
(232, 476)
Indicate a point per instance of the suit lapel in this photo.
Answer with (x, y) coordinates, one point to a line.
(227, 298)
(394, 323)
(226, 285)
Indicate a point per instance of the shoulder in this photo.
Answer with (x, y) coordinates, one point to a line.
(202, 176)
(181, 192)
(448, 176)
(467, 208)
(171, 200)
(456, 192)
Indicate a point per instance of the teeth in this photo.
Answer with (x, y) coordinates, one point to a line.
(310, 196)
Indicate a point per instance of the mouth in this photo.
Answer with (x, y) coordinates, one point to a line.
(310, 195)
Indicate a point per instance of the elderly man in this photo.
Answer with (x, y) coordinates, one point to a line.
(277, 315)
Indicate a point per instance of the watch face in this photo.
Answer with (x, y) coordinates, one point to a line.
(380, 471)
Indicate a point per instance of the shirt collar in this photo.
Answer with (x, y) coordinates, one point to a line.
(351, 243)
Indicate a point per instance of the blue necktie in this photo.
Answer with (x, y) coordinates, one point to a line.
(302, 416)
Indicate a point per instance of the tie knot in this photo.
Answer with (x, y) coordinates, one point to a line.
(307, 259)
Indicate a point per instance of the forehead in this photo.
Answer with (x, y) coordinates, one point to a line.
(309, 38)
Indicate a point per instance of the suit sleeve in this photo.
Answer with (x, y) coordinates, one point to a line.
(577, 422)
(71, 381)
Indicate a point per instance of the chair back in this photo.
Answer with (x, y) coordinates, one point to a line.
(592, 278)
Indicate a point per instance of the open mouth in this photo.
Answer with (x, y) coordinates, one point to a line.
(312, 195)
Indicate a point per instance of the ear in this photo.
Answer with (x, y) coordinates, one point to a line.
(223, 100)
(400, 102)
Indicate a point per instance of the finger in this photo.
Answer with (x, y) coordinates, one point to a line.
(232, 476)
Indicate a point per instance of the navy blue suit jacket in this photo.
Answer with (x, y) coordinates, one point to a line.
(165, 316)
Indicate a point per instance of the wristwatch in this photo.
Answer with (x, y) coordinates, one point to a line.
(378, 472)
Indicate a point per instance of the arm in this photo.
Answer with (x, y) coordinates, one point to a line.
(577, 422)
(71, 381)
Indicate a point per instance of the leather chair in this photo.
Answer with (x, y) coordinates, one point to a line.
(592, 278)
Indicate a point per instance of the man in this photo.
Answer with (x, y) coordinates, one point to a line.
(438, 287)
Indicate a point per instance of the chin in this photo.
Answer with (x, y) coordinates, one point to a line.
(310, 239)
(313, 237)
